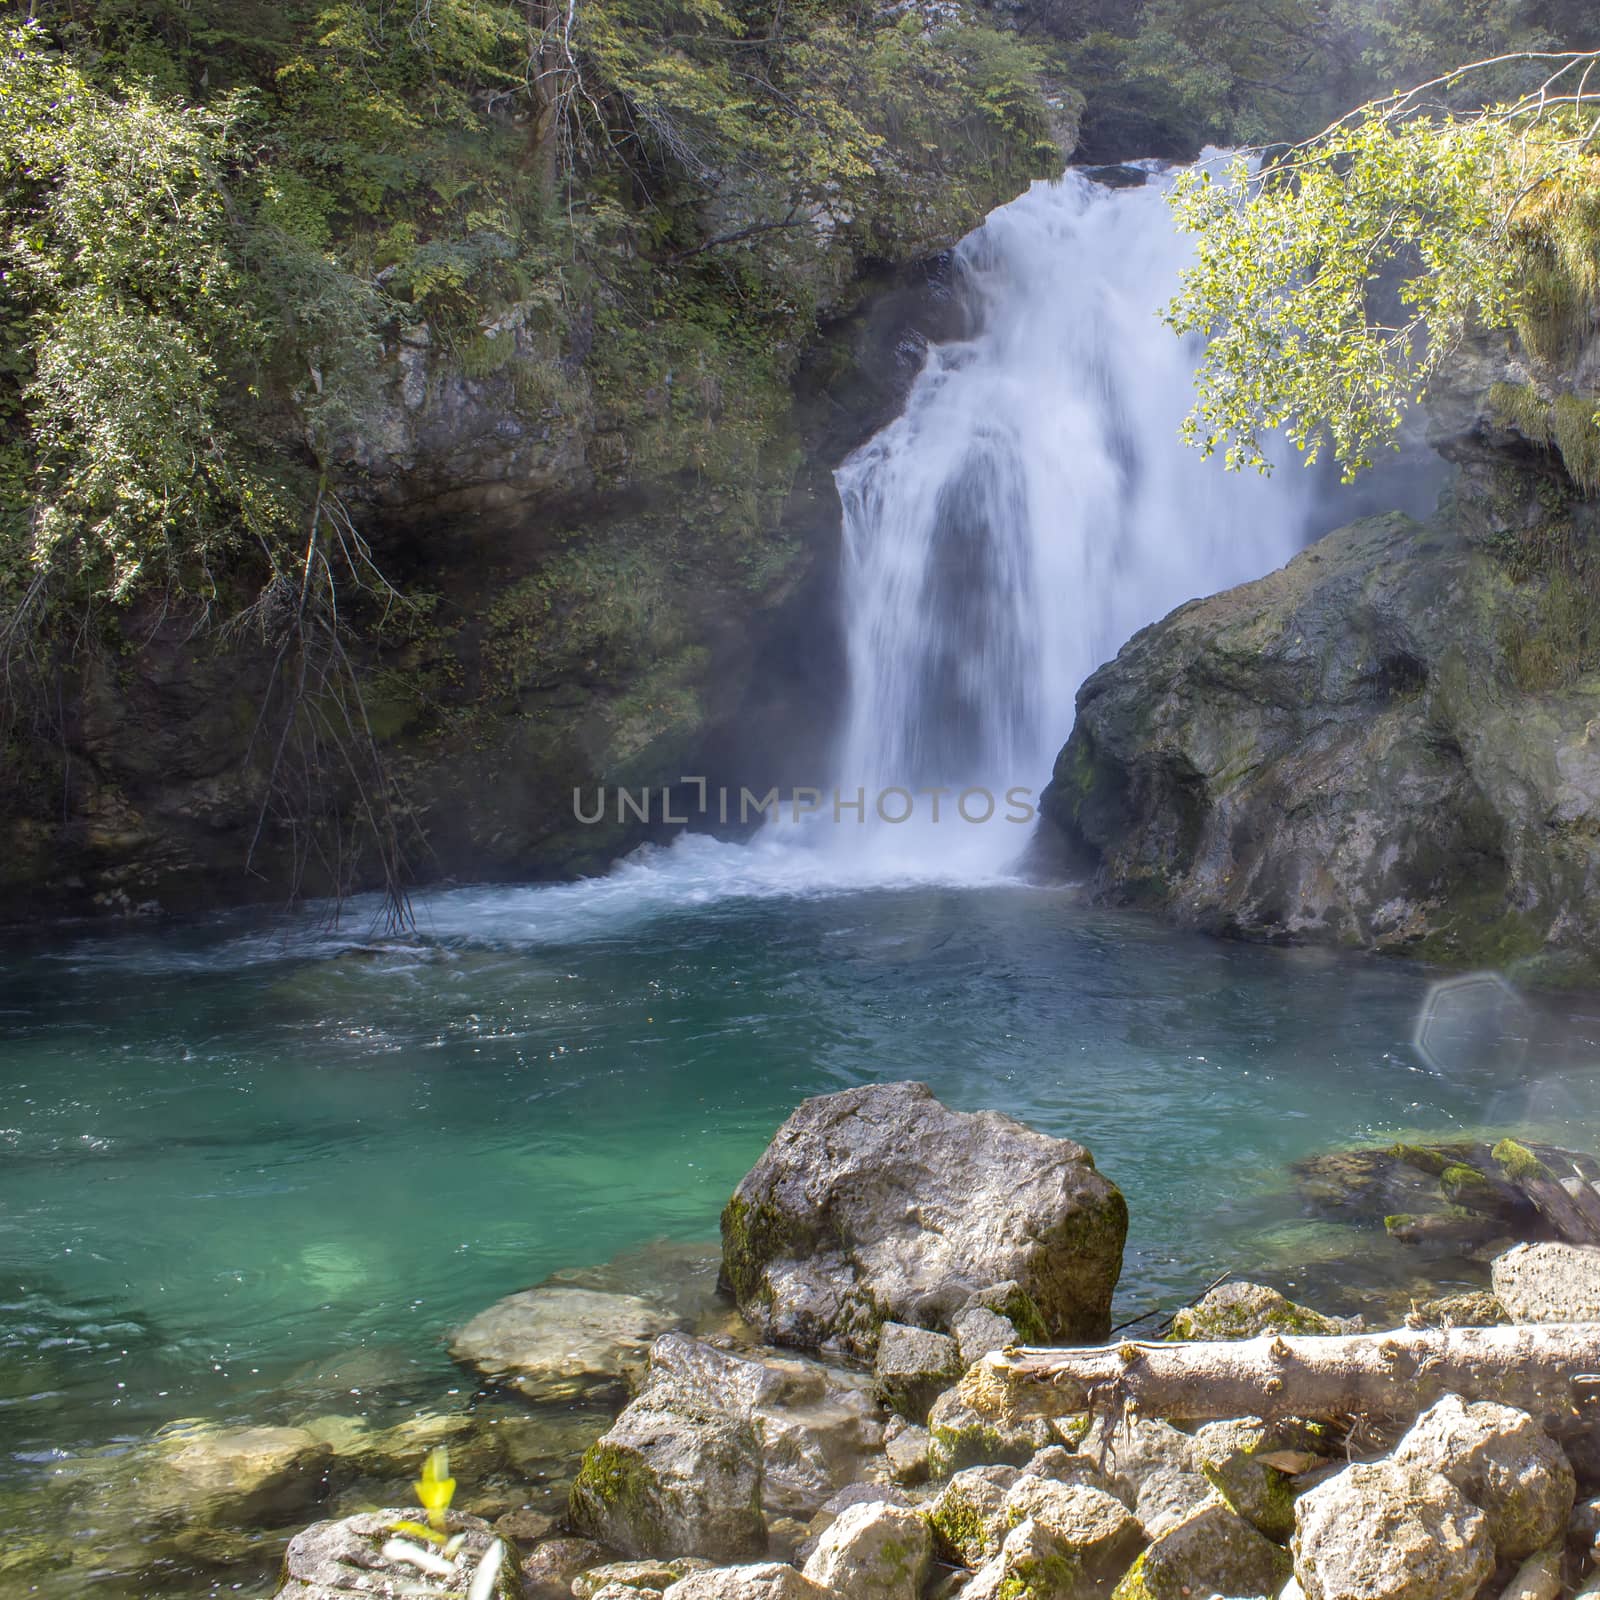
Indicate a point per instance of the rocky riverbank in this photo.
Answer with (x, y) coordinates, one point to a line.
(837, 1420)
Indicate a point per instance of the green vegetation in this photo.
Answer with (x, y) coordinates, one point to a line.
(1330, 291)
(222, 220)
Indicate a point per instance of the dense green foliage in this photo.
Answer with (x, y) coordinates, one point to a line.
(1167, 76)
(214, 211)
(1330, 290)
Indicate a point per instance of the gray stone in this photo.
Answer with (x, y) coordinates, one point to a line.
(767, 1580)
(1354, 750)
(338, 1560)
(873, 1551)
(913, 1366)
(1212, 1551)
(968, 1517)
(906, 1448)
(1503, 1462)
(559, 1341)
(879, 1203)
(1549, 1283)
(633, 1575)
(817, 1424)
(1041, 1560)
(1380, 1532)
(675, 1475)
(551, 1566)
(1167, 1496)
(1130, 1450)
(978, 1330)
(979, 1422)
(1229, 1456)
(1239, 1310)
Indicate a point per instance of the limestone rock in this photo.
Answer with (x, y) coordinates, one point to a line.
(978, 1330)
(1474, 1308)
(968, 1517)
(1038, 1561)
(1091, 1530)
(1238, 1310)
(1503, 1462)
(817, 1424)
(549, 1570)
(1130, 1451)
(1229, 1456)
(1212, 1551)
(767, 1580)
(345, 1559)
(1352, 751)
(1549, 1283)
(880, 1204)
(633, 1575)
(913, 1367)
(673, 1477)
(906, 1448)
(873, 1551)
(979, 1421)
(1167, 1496)
(557, 1341)
(1380, 1532)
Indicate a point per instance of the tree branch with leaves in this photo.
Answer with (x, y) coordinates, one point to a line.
(1333, 278)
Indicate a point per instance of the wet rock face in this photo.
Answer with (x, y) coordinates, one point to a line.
(880, 1204)
(1380, 1532)
(1341, 753)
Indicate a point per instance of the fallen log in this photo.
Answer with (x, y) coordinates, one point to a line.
(1551, 1370)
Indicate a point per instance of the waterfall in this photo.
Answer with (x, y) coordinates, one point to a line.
(1032, 508)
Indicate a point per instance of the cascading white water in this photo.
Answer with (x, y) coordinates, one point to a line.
(1031, 509)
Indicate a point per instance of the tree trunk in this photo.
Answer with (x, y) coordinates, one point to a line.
(1551, 1370)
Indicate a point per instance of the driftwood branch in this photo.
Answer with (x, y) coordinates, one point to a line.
(1551, 1370)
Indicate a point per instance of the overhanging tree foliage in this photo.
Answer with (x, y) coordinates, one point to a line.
(1330, 284)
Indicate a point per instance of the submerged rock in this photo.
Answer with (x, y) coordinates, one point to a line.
(336, 1560)
(559, 1340)
(1380, 1532)
(193, 1476)
(549, 1570)
(880, 1204)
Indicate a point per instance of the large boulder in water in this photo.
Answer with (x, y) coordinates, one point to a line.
(1374, 747)
(880, 1204)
